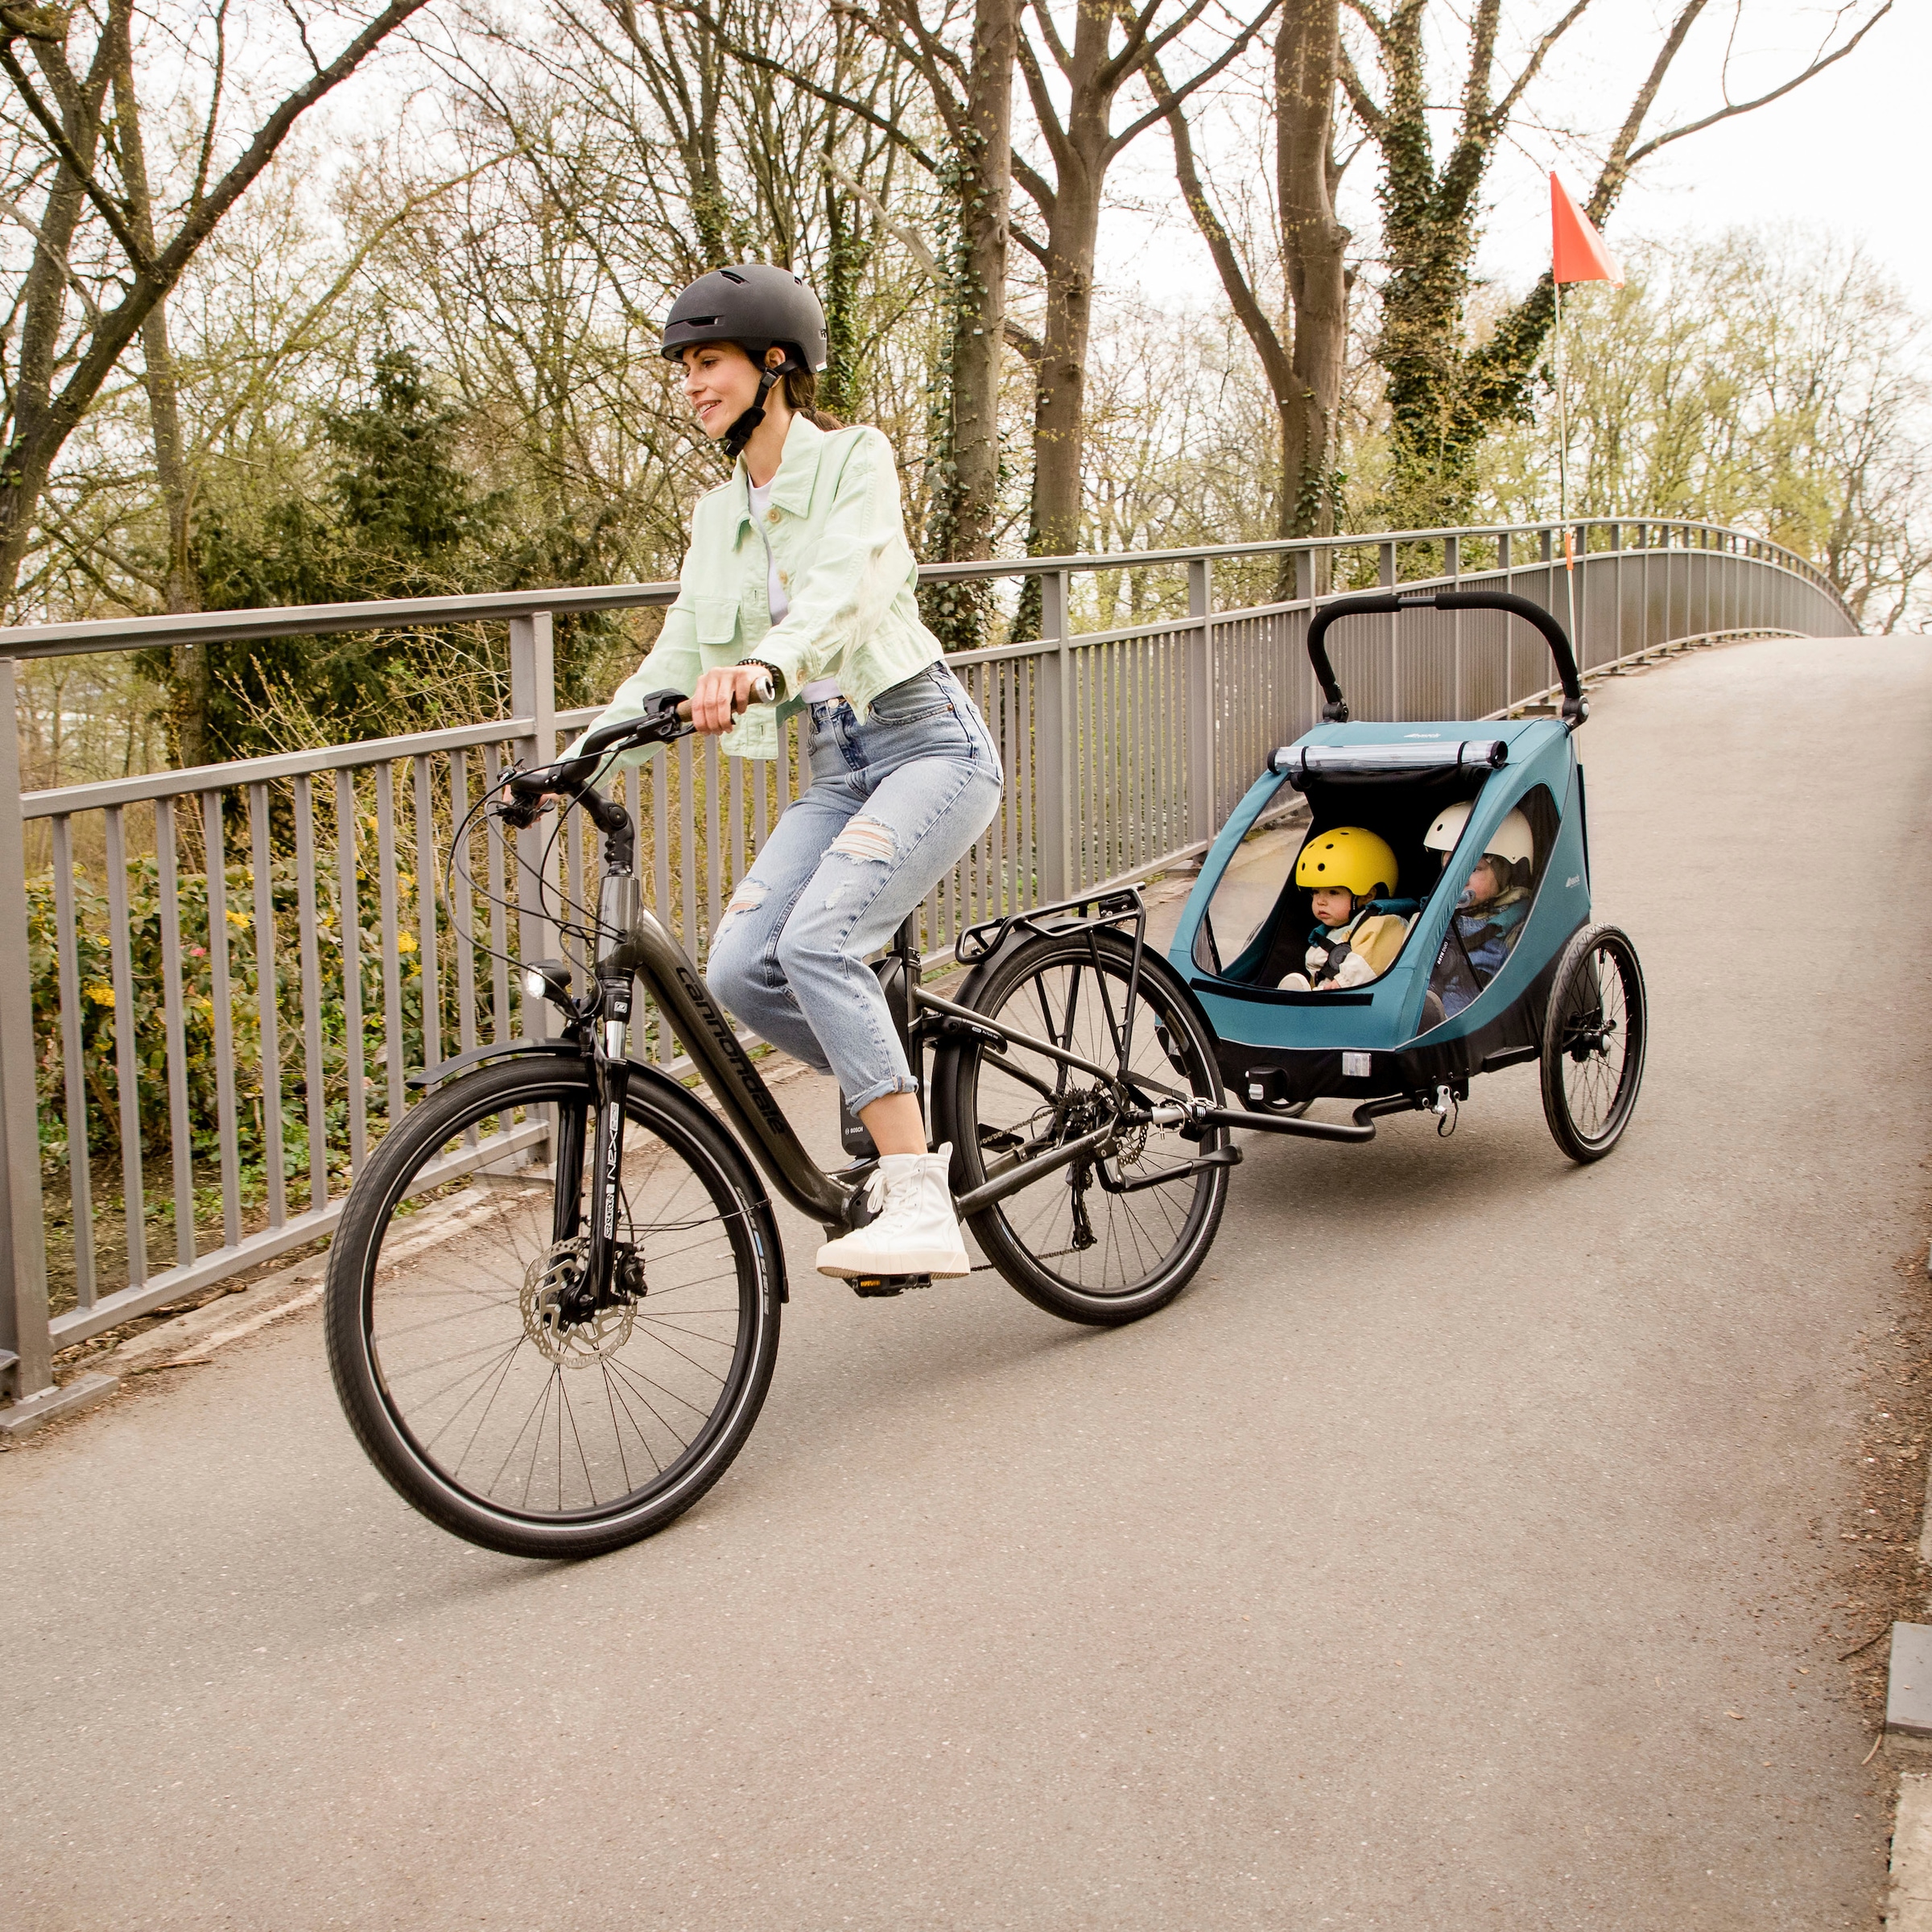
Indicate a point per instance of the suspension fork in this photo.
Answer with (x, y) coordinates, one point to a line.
(611, 1084)
(617, 914)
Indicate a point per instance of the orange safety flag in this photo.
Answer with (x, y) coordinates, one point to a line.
(1577, 250)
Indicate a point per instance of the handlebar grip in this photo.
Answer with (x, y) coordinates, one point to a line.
(525, 793)
(763, 690)
(526, 790)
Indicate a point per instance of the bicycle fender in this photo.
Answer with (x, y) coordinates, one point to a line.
(425, 1077)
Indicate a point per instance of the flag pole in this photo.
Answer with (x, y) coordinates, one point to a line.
(1562, 466)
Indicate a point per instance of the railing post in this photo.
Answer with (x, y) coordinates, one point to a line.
(1616, 582)
(1386, 567)
(1576, 592)
(1053, 737)
(532, 691)
(1202, 720)
(1452, 569)
(24, 1331)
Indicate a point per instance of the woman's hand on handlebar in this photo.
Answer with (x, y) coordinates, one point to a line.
(723, 693)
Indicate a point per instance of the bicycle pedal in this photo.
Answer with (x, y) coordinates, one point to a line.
(871, 1285)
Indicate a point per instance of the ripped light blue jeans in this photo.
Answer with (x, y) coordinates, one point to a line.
(896, 800)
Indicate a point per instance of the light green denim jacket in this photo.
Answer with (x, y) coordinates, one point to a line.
(838, 538)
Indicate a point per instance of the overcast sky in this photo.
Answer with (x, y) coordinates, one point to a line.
(1849, 150)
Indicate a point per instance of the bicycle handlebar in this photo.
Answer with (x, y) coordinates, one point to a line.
(665, 718)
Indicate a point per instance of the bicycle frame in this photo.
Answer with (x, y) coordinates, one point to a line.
(648, 952)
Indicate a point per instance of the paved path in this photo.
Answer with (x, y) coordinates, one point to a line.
(1402, 1575)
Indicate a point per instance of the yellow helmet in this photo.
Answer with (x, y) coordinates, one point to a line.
(1348, 858)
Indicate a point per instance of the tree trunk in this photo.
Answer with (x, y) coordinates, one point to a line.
(1304, 374)
(1313, 246)
(188, 708)
(978, 346)
(1060, 398)
(37, 428)
(188, 700)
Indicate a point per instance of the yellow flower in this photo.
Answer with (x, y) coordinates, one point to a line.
(100, 995)
(406, 942)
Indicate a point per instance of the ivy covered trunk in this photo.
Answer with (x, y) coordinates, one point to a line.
(965, 450)
(1313, 245)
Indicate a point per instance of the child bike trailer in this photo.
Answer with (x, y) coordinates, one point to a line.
(1485, 955)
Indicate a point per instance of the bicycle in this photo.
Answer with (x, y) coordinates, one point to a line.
(573, 1354)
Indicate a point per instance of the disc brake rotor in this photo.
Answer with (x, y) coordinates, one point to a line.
(548, 1285)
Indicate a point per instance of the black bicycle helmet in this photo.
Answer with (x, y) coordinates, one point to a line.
(754, 305)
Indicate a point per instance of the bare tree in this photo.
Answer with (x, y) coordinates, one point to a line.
(1445, 395)
(95, 244)
(1112, 48)
(1304, 370)
(971, 90)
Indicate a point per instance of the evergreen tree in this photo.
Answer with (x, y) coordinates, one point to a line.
(398, 516)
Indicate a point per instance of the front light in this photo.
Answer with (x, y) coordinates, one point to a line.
(534, 983)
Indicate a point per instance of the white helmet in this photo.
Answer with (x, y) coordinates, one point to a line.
(1512, 839)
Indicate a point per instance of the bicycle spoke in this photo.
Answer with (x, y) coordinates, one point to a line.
(483, 1356)
(1100, 1240)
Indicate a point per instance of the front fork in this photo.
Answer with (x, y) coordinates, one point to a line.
(604, 1117)
(613, 1079)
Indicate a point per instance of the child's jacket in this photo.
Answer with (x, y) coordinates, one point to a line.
(1480, 939)
(1354, 953)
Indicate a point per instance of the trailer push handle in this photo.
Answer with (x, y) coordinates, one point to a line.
(1336, 710)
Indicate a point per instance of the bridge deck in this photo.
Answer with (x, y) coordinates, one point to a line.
(1449, 1555)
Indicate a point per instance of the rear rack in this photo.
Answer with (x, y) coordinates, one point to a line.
(980, 942)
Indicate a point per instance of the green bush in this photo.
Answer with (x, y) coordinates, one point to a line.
(98, 1019)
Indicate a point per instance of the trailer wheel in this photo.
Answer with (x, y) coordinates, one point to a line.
(1594, 1032)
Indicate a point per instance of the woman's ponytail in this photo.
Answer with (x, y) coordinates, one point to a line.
(801, 394)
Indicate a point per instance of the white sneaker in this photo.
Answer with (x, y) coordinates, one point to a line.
(913, 1229)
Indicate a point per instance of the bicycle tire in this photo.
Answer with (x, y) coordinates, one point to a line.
(1146, 1258)
(456, 1306)
(1596, 1030)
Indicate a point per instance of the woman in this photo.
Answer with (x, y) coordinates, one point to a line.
(799, 567)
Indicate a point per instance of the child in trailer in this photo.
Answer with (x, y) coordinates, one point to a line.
(1347, 870)
(1488, 916)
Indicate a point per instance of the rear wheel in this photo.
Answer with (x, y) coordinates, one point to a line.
(1594, 1032)
(1108, 1239)
(485, 1403)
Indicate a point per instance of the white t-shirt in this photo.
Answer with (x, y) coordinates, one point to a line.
(774, 592)
(820, 689)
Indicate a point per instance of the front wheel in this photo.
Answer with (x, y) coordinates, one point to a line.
(1594, 1032)
(1111, 1238)
(489, 1407)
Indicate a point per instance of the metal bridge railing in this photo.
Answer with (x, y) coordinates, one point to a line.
(238, 966)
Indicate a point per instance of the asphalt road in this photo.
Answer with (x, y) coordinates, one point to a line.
(1403, 1574)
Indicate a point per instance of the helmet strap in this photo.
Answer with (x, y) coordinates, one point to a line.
(741, 431)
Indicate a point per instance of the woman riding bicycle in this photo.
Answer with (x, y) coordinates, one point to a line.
(905, 775)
